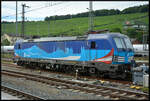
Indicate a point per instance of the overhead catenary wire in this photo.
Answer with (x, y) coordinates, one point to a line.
(54, 16)
(10, 8)
(32, 10)
(57, 4)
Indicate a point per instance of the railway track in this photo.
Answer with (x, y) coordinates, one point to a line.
(7, 59)
(79, 76)
(109, 92)
(20, 94)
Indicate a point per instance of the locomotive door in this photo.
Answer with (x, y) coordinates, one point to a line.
(93, 50)
(20, 48)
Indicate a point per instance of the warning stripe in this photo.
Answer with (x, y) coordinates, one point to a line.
(106, 59)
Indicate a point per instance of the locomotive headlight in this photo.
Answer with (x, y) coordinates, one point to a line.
(118, 59)
(130, 58)
(115, 58)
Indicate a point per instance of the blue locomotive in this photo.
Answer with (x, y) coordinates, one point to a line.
(101, 54)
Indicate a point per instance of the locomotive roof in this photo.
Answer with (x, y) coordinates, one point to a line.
(86, 37)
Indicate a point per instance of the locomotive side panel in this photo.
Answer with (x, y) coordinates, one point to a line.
(64, 50)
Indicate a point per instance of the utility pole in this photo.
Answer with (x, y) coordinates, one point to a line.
(16, 20)
(90, 16)
(23, 28)
(144, 41)
(49, 27)
(37, 26)
(4, 28)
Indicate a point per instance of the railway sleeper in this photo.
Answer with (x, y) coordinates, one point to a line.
(123, 94)
(132, 96)
(21, 96)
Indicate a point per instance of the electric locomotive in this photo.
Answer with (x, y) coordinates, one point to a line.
(100, 53)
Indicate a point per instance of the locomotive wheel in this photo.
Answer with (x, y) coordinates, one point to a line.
(92, 71)
(113, 75)
(123, 76)
(101, 75)
(20, 63)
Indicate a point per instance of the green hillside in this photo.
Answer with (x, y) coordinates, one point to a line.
(74, 26)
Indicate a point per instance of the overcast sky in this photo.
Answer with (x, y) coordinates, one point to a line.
(41, 9)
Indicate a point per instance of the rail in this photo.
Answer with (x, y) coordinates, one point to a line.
(24, 95)
(113, 93)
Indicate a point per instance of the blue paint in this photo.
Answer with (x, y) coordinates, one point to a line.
(36, 52)
(63, 49)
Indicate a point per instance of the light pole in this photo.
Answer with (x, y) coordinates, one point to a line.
(90, 16)
(16, 19)
(23, 28)
(49, 27)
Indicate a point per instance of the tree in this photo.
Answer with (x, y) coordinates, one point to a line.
(139, 37)
(144, 8)
(116, 30)
(46, 19)
(131, 32)
(103, 12)
(5, 43)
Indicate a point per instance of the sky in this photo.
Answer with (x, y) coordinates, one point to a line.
(38, 10)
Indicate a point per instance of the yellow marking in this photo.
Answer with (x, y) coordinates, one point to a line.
(102, 81)
(132, 86)
(138, 87)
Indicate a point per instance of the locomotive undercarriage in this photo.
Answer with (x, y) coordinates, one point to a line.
(84, 68)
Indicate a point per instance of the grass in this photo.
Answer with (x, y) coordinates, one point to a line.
(142, 58)
(7, 55)
(145, 89)
(74, 26)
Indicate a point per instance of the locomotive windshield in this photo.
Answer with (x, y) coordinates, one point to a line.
(128, 43)
(119, 43)
(123, 43)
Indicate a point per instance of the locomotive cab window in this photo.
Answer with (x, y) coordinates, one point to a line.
(118, 42)
(19, 46)
(93, 45)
